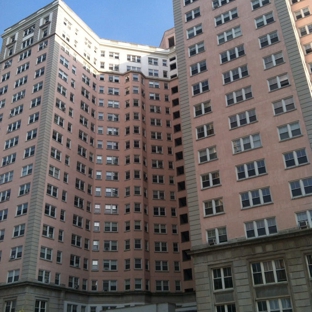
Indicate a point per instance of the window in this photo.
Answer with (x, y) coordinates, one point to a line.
(187, 2)
(109, 285)
(213, 207)
(295, 158)
(200, 87)
(110, 245)
(192, 14)
(242, 119)
(3, 214)
(251, 169)
(218, 3)
(13, 276)
(2, 233)
(278, 305)
(256, 198)
(161, 247)
(24, 55)
(260, 228)
(268, 272)
(235, 74)
(305, 30)
(273, 60)
(16, 253)
(41, 58)
(160, 228)
(216, 236)
(5, 195)
(289, 131)
(264, 20)
(21, 209)
(52, 190)
(229, 35)
(44, 277)
(194, 31)
(159, 195)
(268, 39)
(24, 189)
(40, 306)
(302, 187)
(246, 143)
(232, 54)
(11, 143)
(255, 4)
(222, 278)
(196, 48)
(17, 96)
(110, 227)
(10, 305)
(210, 180)
(46, 253)
(308, 48)
(162, 285)
(278, 82)
(112, 145)
(6, 177)
(9, 159)
(238, 96)
(56, 136)
(198, 67)
(226, 17)
(16, 110)
(283, 106)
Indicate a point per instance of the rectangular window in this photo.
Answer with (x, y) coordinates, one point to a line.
(278, 82)
(242, 119)
(196, 48)
(289, 131)
(226, 17)
(305, 30)
(264, 20)
(229, 35)
(217, 236)
(251, 169)
(200, 87)
(232, 54)
(268, 39)
(302, 187)
(256, 198)
(213, 207)
(198, 67)
(192, 14)
(283, 106)
(210, 179)
(273, 60)
(295, 158)
(235, 74)
(268, 272)
(13, 276)
(218, 3)
(222, 278)
(260, 228)
(11, 143)
(246, 143)
(255, 4)
(194, 31)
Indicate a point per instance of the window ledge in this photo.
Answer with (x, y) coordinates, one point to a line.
(295, 137)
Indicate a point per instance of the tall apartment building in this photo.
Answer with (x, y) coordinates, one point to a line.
(115, 165)
(93, 212)
(245, 101)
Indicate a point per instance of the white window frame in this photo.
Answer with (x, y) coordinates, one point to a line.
(289, 131)
(239, 145)
(261, 196)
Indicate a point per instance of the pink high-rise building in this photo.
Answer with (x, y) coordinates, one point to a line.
(245, 102)
(131, 175)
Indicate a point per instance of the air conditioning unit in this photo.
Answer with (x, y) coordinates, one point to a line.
(12, 257)
(211, 242)
(50, 235)
(76, 286)
(303, 224)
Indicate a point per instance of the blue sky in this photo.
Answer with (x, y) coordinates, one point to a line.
(136, 21)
